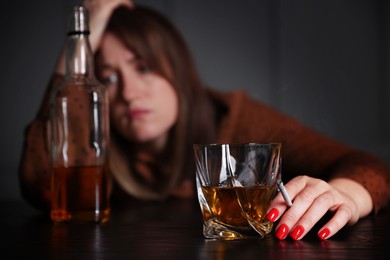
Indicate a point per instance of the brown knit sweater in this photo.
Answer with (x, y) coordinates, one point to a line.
(304, 151)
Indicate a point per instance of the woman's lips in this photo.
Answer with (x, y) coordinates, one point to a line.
(137, 114)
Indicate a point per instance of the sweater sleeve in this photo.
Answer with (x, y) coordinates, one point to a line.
(304, 150)
(34, 166)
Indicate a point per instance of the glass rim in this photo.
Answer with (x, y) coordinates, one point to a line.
(238, 144)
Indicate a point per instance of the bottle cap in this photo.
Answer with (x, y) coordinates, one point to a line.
(79, 21)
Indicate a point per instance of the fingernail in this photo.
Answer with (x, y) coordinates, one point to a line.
(324, 233)
(297, 232)
(282, 232)
(272, 215)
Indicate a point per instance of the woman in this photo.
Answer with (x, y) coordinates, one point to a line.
(159, 108)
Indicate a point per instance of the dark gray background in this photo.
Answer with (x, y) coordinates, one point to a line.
(325, 62)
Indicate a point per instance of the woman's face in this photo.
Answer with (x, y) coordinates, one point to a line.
(143, 105)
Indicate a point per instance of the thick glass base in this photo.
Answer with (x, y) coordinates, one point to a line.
(215, 230)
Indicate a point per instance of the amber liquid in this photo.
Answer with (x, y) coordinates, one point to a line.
(80, 194)
(224, 203)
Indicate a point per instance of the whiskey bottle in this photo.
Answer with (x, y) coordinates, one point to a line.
(79, 136)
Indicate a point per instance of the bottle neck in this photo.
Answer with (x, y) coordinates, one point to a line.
(79, 56)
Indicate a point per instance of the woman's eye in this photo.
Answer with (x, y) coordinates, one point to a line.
(143, 68)
(110, 80)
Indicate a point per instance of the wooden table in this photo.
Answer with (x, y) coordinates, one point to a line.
(173, 230)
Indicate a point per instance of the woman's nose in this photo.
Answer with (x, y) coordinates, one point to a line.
(131, 87)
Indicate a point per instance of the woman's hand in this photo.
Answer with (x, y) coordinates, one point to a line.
(312, 199)
(99, 14)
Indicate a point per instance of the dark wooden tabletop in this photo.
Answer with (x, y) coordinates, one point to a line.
(173, 230)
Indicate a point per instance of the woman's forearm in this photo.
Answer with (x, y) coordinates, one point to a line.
(34, 171)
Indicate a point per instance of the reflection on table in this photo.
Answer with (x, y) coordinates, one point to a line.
(173, 230)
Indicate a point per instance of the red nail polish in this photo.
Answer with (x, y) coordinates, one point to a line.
(272, 215)
(297, 232)
(324, 233)
(282, 232)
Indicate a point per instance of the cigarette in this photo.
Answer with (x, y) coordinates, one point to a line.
(283, 190)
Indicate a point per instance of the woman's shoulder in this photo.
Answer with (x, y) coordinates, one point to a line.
(240, 116)
(226, 96)
(238, 102)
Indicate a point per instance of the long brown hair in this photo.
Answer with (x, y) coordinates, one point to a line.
(155, 39)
